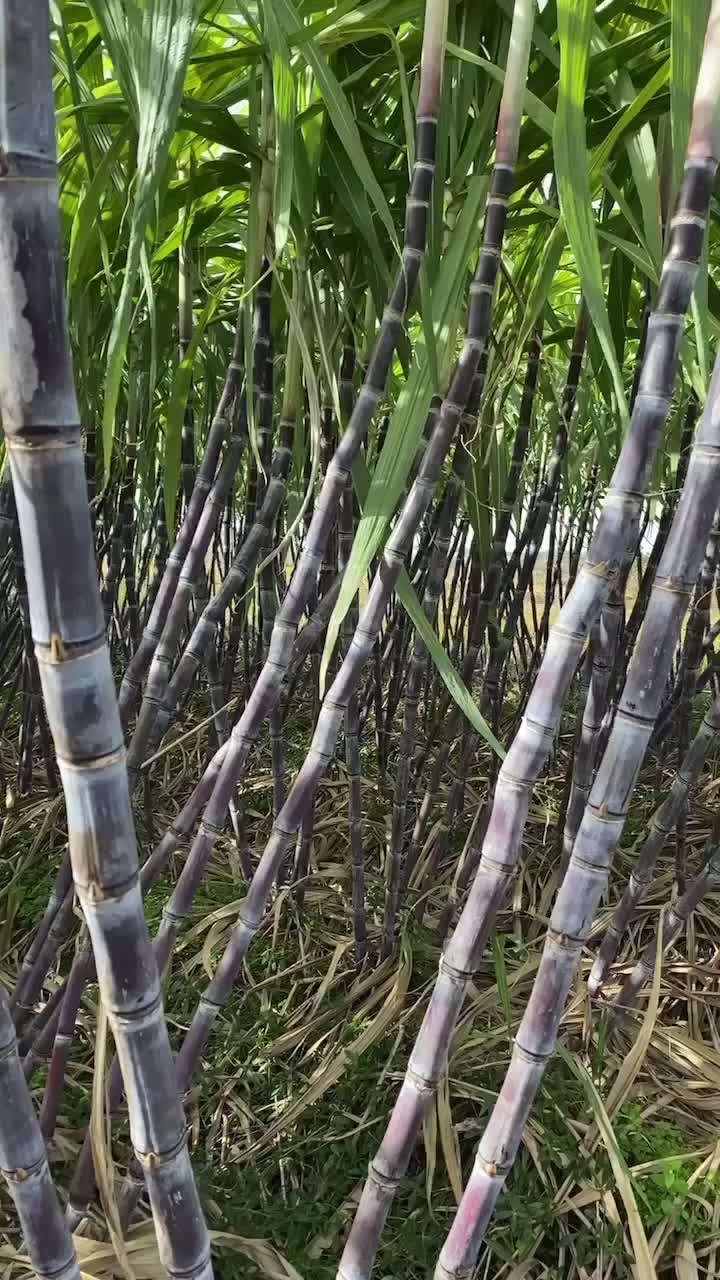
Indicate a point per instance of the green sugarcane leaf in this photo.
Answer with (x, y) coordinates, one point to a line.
(533, 106)
(687, 35)
(451, 679)
(552, 249)
(177, 404)
(85, 225)
(284, 95)
(573, 175)
(629, 115)
(408, 419)
(640, 147)
(339, 112)
(150, 46)
(409, 600)
(352, 196)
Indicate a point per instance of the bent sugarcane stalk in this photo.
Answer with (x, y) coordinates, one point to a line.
(597, 839)
(611, 548)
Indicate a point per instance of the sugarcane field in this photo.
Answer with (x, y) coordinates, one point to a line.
(360, 639)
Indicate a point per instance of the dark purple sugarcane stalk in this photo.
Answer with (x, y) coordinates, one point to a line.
(36, 960)
(637, 612)
(597, 838)
(612, 546)
(42, 955)
(311, 634)
(691, 660)
(55, 1082)
(689, 673)
(235, 583)
(140, 663)
(436, 573)
(674, 922)
(334, 706)
(584, 524)
(346, 532)
(553, 588)
(493, 585)
(241, 571)
(44, 444)
(24, 1165)
(603, 646)
(537, 519)
(187, 582)
(661, 826)
(500, 645)
(268, 685)
(352, 746)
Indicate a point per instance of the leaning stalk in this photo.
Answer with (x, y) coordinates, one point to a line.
(611, 548)
(597, 839)
(24, 1164)
(267, 688)
(674, 921)
(662, 824)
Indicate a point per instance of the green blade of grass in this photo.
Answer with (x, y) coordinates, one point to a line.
(573, 176)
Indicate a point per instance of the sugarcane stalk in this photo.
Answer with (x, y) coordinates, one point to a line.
(36, 960)
(661, 826)
(637, 613)
(43, 439)
(352, 748)
(63, 1037)
(603, 644)
(139, 664)
(674, 921)
(23, 1159)
(689, 674)
(597, 839)
(492, 587)
(165, 649)
(612, 545)
(437, 569)
(687, 677)
(334, 706)
(268, 685)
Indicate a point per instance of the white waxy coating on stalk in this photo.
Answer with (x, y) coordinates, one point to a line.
(511, 103)
(705, 127)
(18, 368)
(431, 58)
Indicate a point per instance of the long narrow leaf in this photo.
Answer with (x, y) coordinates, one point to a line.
(150, 45)
(573, 175)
